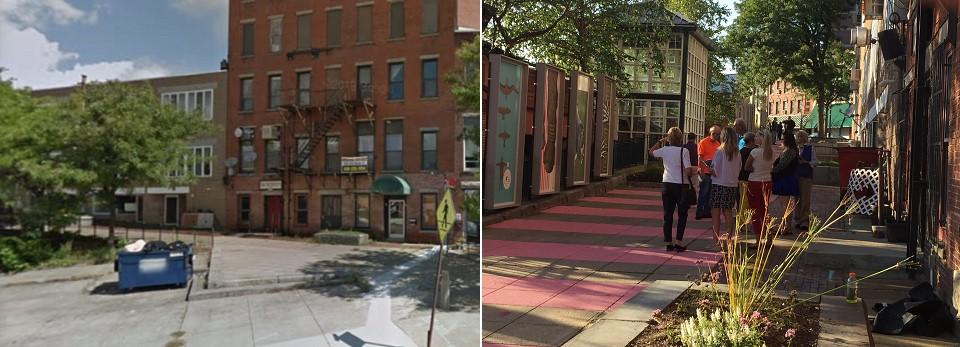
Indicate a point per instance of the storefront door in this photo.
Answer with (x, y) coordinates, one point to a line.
(396, 217)
(274, 213)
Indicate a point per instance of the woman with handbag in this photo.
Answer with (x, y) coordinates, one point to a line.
(759, 165)
(786, 185)
(725, 174)
(677, 193)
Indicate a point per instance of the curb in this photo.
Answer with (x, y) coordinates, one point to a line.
(273, 287)
(55, 280)
(281, 279)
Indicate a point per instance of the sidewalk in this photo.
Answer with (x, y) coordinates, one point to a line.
(547, 276)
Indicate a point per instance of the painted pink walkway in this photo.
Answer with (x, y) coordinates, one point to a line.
(622, 201)
(646, 192)
(633, 255)
(556, 293)
(561, 226)
(605, 212)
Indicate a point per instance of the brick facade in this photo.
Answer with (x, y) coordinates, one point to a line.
(334, 73)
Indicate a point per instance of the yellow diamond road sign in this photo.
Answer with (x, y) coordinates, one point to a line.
(446, 215)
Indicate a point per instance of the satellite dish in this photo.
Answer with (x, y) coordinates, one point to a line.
(238, 132)
(230, 162)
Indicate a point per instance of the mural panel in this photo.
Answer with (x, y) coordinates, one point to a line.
(606, 119)
(580, 129)
(503, 149)
(550, 105)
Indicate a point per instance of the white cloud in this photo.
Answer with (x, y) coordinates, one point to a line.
(33, 60)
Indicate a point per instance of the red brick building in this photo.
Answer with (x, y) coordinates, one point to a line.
(783, 101)
(312, 83)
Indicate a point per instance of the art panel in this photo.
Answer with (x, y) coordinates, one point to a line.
(548, 115)
(503, 148)
(606, 120)
(579, 129)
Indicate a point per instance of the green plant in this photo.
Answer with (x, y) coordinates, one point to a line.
(722, 328)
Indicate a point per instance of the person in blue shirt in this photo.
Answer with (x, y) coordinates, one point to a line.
(740, 127)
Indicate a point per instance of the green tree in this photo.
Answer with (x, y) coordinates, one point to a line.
(465, 86)
(793, 40)
(126, 137)
(33, 170)
(579, 34)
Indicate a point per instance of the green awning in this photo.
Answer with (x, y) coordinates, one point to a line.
(391, 185)
(835, 118)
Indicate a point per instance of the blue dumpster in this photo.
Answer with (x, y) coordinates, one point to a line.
(154, 268)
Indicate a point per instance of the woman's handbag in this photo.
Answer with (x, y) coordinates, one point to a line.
(689, 195)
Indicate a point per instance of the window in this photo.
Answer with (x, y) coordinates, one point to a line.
(201, 161)
(428, 14)
(784, 106)
(791, 107)
(304, 28)
(365, 82)
(396, 20)
(271, 159)
(332, 156)
(428, 211)
(394, 145)
(199, 100)
(247, 47)
(302, 143)
(365, 133)
(332, 89)
(333, 28)
(303, 88)
(428, 145)
(364, 24)
(396, 81)
(302, 209)
(274, 96)
(361, 210)
(428, 78)
(246, 94)
(276, 34)
(244, 202)
(331, 217)
(471, 150)
(247, 152)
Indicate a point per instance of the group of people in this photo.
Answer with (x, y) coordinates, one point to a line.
(727, 162)
(778, 129)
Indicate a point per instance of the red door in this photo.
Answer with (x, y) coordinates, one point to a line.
(274, 208)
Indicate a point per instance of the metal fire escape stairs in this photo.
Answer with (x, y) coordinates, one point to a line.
(328, 115)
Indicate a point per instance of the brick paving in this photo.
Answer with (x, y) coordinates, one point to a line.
(547, 276)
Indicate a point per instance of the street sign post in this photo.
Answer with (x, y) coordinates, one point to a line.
(446, 217)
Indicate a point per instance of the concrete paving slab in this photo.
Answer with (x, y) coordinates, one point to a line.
(607, 333)
(655, 296)
(560, 316)
(503, 313)
(533, 334)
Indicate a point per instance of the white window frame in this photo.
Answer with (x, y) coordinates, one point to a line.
(206, 113)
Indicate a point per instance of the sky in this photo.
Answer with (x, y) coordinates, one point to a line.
(51, 43)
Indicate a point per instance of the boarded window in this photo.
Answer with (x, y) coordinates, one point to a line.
(428, 210)
(247, 48)
(304, 31)
(364, 24)
(429, 12)
(332, 89)
(396, 20)
(333, 28)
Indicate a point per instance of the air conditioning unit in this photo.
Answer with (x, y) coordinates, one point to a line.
(270, 132)
(873, 9)
(860, 36)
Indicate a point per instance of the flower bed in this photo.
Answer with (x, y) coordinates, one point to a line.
(803, 319)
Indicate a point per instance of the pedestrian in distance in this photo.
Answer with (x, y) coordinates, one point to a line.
(705, 151)
(786, 187)
(808, 161)
(740, 126)
(725, 174)
(691, 146)
(759, 165)
(676, 183)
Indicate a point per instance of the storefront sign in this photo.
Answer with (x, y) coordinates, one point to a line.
(271, 185)
(504, 145)
(354, 164)
(548, 115)
(606, 120)
(580, 129)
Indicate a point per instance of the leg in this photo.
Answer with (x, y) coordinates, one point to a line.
(681, 219)
(755, 198)
(803, 210)
(669, 204)
(731, 222)
(715, 217)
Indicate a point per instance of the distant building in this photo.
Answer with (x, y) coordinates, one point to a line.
(339, 116)
(196, 205)
(652, 103)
